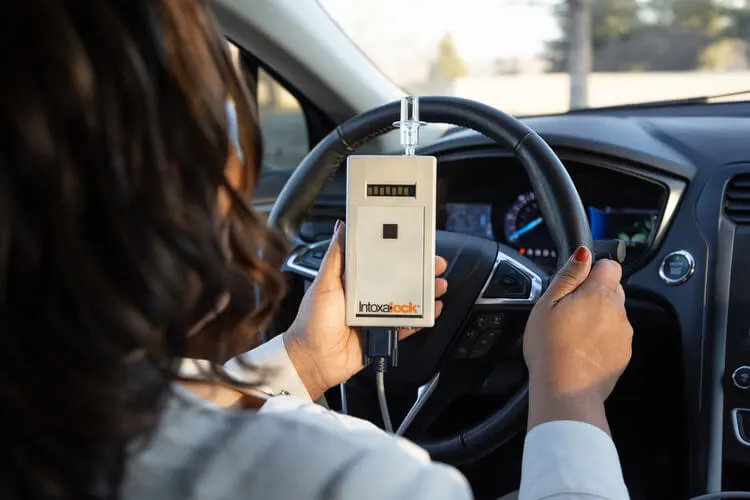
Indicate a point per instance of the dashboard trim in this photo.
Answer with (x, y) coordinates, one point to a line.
(536, 283)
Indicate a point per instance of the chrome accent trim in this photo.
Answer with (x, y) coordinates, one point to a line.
(734, 379)
(736, 425)
(423, 394)
(676, 190)
(291, 262)
(536, 283)
(691, 270)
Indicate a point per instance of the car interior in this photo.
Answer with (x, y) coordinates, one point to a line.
(670, 179)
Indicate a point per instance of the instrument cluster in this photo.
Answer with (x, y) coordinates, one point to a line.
(502, 206)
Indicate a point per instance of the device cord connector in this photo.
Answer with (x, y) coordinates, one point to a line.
(381, 349)
(380, 343)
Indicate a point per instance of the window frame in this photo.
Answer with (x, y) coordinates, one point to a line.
(318, 124)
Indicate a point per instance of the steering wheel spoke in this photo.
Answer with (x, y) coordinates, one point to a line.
(305, 260)
(505, 384)
(514, 281)
(514, 285)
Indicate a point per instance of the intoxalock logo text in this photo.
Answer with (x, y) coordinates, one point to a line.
(389, 308)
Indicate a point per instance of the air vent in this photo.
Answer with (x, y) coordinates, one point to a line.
(737, 199)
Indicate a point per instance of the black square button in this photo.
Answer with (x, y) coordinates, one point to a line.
(390, 231)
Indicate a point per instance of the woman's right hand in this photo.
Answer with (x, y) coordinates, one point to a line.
(322, 348)
(577, 343)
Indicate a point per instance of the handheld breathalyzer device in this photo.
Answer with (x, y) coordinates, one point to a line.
(390, 247)
(390, 234)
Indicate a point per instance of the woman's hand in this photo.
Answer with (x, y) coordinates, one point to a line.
(577, 343)
(324, 351)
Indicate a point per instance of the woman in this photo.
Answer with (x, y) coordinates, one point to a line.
(125, 240)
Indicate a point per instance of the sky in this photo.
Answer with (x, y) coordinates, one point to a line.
(394, 32)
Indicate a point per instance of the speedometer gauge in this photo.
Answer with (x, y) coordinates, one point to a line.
(526, 231)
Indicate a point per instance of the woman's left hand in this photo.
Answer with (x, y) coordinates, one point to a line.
(324, 351)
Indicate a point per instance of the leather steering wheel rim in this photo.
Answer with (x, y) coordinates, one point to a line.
(558, 200)
(557, 196)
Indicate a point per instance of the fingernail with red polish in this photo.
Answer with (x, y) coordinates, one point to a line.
(580, 255)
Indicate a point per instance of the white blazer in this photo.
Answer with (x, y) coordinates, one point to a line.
(295, 449)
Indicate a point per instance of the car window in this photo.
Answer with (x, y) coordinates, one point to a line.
(548, 56)
(282, 123)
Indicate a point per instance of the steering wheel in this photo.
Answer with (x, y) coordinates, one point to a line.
(489, 282)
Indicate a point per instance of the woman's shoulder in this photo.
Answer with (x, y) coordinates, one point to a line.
(290, 449)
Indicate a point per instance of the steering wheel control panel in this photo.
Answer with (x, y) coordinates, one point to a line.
(481, 335)
(504, 208)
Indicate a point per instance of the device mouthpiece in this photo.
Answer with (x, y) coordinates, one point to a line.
(409, 124)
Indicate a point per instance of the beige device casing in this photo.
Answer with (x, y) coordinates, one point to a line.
(390, 281)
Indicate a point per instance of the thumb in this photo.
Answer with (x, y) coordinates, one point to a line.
(570, 276)
(332, 267)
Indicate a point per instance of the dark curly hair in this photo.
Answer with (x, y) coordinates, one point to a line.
(114, 214)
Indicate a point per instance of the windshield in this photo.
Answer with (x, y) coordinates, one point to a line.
(548, 56)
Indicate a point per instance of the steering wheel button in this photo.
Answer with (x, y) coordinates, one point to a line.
(309, 260)
(497, 320)
(461, 352)
(508, 283)
(481, 322)
(484, 343)
(481, 348)
(465, 345)
(488, 320)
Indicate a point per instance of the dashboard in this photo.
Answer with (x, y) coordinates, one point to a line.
(670, 180)
(685, 170)
(492, 198)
